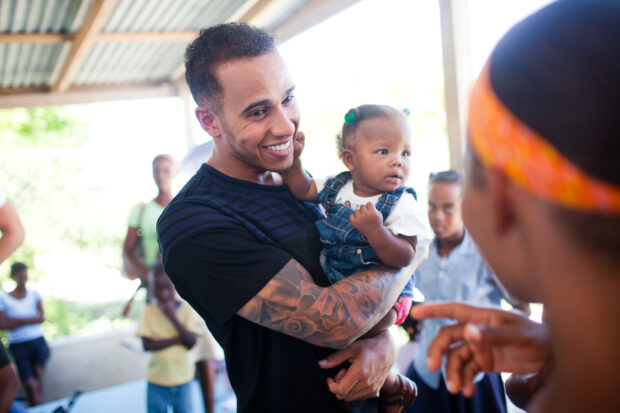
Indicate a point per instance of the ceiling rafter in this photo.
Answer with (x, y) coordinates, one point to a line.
(47, 48)
(41, 96)
(45, 38)
(36, 37)
(93, 22)
(255, 10)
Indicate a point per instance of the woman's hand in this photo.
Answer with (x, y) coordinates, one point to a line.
(371, 360)
(486, 340)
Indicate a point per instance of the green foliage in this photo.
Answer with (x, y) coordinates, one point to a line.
(45, 173)
(70, 318)
(44, 126)
(40, 162)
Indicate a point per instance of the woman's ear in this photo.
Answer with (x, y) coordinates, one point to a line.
(502, 200)
(348, 159)
(208, 121)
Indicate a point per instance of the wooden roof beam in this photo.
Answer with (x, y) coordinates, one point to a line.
(36, 37)
(248, 16)
(45, 38)
(34, 97)
(184, 36)
(93, 22)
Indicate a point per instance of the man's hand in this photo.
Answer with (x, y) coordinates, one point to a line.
(371, 360)
(366, 219)
(486, 340)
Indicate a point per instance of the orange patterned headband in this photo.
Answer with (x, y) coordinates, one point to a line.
(501, 140)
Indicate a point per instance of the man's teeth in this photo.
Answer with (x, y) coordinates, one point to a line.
(279, 147)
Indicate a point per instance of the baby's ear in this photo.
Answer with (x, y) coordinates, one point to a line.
(348, 159)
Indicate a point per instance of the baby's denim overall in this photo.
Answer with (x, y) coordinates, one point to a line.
(346, 250)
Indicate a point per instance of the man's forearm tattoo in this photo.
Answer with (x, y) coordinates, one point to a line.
(333, 316)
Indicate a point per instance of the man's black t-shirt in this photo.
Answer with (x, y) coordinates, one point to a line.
(222, 240)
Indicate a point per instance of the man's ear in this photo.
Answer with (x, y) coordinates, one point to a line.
(348, 159)
(502, 193)
(208, 121)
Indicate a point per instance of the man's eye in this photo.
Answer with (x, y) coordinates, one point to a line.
(431, 207)
(382, 151)
(448, 210)
(257, 113)
(288, 99)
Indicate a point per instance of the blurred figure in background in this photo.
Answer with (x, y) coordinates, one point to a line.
(168, 328)
(11, 237)
(454, 271)
(11, 227)
(21, 313)
(140, 249)
(542, 201)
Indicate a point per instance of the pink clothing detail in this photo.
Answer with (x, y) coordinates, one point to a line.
(402, 307)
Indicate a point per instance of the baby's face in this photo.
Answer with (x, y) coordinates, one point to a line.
(380, 155)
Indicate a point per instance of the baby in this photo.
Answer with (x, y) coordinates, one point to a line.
(371, 218)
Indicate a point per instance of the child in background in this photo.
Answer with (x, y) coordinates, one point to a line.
(21, 313)
(455, 271)
(168, 329)
(371, 217)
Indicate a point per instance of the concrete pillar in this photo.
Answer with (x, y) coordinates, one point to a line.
(458, 77)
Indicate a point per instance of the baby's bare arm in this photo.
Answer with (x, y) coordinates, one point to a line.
(395, 251)
(296, 178)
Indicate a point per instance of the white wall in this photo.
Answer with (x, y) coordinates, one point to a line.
(93, 362)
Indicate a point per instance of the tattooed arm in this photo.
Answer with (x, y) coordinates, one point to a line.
(333, 316)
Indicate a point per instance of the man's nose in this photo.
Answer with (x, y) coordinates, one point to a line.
(282, 124)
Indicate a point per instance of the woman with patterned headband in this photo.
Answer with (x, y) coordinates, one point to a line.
(543, 203)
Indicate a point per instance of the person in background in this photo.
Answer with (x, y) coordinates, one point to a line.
(11, 227)
(9, 383)
(21, 313)
(542, 201)
(207, 352)
(454, 271)
(11, 238)
(143, 219)
(142, 230)
(168, 328)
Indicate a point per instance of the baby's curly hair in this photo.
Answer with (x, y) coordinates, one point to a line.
(355, 116)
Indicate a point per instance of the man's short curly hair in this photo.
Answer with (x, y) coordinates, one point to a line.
(216, 45)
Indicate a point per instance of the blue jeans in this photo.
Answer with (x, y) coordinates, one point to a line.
(158, 398)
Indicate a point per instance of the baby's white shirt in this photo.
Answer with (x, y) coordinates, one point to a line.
(406, 217)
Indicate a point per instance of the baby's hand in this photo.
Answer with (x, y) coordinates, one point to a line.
(298, 144)
(366, 219)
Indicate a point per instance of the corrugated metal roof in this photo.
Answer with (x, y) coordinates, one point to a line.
(34, 65)
(42, 16)
(82, 46)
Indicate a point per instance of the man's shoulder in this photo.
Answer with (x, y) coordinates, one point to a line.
(203, 204)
